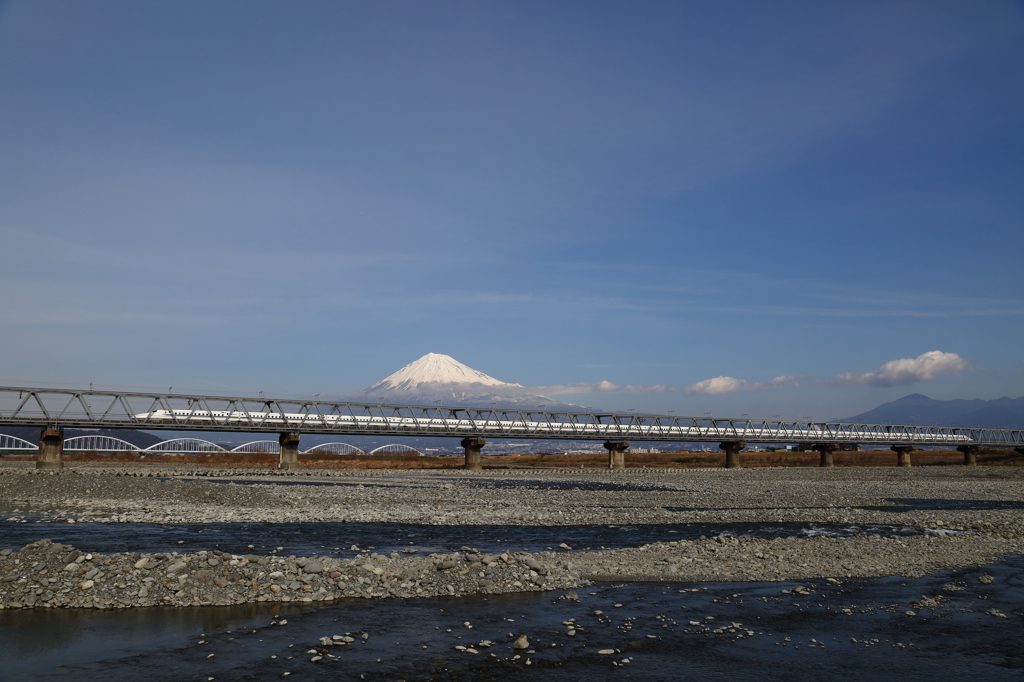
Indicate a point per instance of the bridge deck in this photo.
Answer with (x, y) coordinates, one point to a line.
(67, 408)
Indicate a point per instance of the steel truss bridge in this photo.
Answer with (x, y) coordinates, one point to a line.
(58, 409)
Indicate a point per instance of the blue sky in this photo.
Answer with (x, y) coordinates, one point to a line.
(301, 198)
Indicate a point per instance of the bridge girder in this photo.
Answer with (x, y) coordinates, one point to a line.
(60, 409)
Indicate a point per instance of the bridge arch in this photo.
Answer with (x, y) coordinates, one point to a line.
(269, 446)
(394, 449)
(15, 443)
(98, 444)
(335, 449)
(185, 445)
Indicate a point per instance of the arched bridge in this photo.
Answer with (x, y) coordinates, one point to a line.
(395, 449)
(109, 444)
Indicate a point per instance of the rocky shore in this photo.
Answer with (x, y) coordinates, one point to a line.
(155, 494)
(49, 574)
(45, 574)
(987, 523)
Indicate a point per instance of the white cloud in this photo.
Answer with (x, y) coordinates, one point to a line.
(602, 387)
(779, 382)
(718, 385)
(723, 385)
(924, 367)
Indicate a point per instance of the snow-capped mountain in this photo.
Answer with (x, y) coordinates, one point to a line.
(441, 377)
(435, 368)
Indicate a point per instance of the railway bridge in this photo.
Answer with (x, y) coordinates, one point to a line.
(53, 410)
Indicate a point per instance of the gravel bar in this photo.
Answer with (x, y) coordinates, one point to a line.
(972, 516)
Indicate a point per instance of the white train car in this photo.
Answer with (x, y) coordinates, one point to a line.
(496, 427)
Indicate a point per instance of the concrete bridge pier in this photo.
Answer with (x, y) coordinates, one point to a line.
(289, 451)
(473, 447)
(616, 453)
(825, 450)
(51, 450)
(903, 454)
(970, 454)
(732, 453)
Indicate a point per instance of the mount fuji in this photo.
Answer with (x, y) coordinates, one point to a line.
(441, 377)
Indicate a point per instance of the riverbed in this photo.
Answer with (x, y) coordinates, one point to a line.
(954, 624)
(893, 574)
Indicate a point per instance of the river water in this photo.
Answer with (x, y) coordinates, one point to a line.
(767, 635)
(337, 539)
(649, 630)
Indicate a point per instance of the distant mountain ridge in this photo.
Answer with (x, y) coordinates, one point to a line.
(1006, 413)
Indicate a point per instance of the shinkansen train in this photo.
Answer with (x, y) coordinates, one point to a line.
(804, 432)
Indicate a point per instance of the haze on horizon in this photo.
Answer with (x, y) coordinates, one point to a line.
(794, 208)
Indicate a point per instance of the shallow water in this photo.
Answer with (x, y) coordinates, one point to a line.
(338, 538)
(489, 484)
(410, 640)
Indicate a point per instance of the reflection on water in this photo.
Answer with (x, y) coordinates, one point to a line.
(38, 641)
(764, 635)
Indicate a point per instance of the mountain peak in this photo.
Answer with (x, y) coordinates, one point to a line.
(435, 368)
(437, 377)
(918, 409)
(915, 398)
